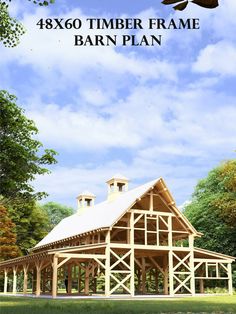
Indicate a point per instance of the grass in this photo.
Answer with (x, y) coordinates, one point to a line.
(211, 304)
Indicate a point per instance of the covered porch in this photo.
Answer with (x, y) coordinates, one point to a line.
(108, 270)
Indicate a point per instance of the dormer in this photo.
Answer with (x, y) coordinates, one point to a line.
(116, 185)
(85, 200)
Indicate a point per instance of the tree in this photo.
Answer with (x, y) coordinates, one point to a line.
(56, 212)
(212, 210)
(31, 224)
(8, 247)
(20, 160)
(226, 200)
(10, 28)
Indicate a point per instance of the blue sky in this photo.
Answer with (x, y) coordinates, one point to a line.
(145, 112)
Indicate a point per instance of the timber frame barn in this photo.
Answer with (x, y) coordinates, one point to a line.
(135, 242)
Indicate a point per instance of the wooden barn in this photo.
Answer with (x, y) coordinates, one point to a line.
(135, 242)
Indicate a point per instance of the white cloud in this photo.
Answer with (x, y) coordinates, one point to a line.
(144, 102)
(177, 122)
(219, 58)
(53, 50)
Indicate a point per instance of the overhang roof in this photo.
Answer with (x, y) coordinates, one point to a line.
(210, 254)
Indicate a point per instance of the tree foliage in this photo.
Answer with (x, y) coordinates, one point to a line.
(22, 157)
(20, 160)
(8, 247)
(11, 29)
(212, 210)
(56, 212)
(32, 224)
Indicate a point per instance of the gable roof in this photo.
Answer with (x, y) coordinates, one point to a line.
(101, 216)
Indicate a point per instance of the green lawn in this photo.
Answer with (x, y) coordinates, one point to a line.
(212, 304)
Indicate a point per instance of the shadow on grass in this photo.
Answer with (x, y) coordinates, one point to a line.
(214, 304)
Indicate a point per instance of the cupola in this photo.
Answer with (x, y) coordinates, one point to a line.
(116, 185)
(85, 200)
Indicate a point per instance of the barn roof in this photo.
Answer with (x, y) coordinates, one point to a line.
(102, 215)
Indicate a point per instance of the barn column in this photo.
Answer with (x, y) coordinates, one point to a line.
(5, 280)
(25, 285)
(38, 279)
(170, 257)
(201, 286)
(34, 275)
(191, 264)
(86, 279)
(79, 279)
(108, 266)
(38, 282)
(14, 279)
(230, 282)
(132, 286)
(69, 273)
(165, 267)
(54, 276)
(171, 273)
(143, 275)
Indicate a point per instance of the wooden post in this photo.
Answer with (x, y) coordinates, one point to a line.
(166, 282)
(132, 269)
(107, 264)
(165, 267)
(5, 280)
(128, 235)
(38, 279)
(34, 275)
(69, 273)
(54, 276)
(25, 286)
(230, 283)
(170, 258)
(143, 275)
(170, 231)
(79, 279)
(171, 273)
(201, 286)
(86, 280)
(191, 264)
(14, 279)
(151, 201)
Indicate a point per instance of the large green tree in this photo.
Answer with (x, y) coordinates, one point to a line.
(56, 212)
(10, 28)
(22, 156)
(212, 210)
